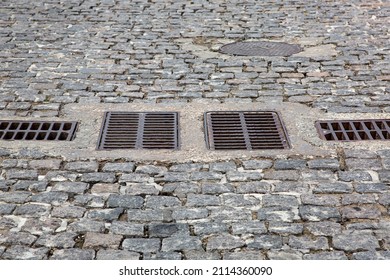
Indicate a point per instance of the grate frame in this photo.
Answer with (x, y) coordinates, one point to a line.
(11, 130)
(354, 130)
(140, 130)
(260, 48)
(245, 130)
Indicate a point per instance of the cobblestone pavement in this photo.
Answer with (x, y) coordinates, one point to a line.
(54, 53)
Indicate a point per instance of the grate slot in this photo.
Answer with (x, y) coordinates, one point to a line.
(38, 130)
(146, 130)
(354, 130)
(260, 48)
(245, 130)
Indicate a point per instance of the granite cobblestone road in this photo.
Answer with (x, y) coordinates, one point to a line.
(54, 53)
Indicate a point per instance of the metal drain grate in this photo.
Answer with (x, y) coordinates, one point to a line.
(354, 130)
(132, 130)
(37, 130)
(260, 48)
(245, 130)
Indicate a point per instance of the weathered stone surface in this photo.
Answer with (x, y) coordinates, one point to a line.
(32, 210)
(289, 164)
(68, 212)
(104, 214)
(361, 212)
(159, 202)
(201, 255)
(285, 228)
(244, 255)
(371, 255)
(111, 254)
(142, 245)
(150, 215)
(103, 177)
(199, 200)
(24, 174)
(50, 164)
(372, 188)
(83, 226)
(100, 240)
(190, 213)
(335, 255)
(332, 164)
(278, 214)
(253, 187)
(53, 198)
(257, 164)
(82, 166)
(6, 209)
(304, 242)
(19, 252)
(151, 169)
(280, 201)
(245, 227)
(333, 188)
(17, 238)
(318, 213)
(73, 254)
(224, 242)
(209, 188)
(125, 201)
(283, 175)
(267, 241)
(320, 200)
(125, 167)
(127, 229)
(181, 243)
(284, 255)
(14, 197)
(71, 187)
(229, 214)
(60, 240)
(355, 241)
(325, 228)
(223, 166)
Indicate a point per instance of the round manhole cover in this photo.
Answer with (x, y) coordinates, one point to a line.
(260, 48)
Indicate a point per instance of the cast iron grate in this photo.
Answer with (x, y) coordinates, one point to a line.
(245, 130)
(133, 130)
(260, 48)
(37, 130)
(354, 130)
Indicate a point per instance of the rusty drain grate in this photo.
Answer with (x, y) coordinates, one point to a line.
(37, 130)
(245, 130)
(133, 130)
(260, 48)
(354, 130)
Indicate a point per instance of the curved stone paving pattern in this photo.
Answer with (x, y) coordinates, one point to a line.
(54, 53)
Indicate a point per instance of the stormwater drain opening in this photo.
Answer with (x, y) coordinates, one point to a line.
(260, 48)
(354, 130)
(37, 130)
(139, 130)
(245, 130)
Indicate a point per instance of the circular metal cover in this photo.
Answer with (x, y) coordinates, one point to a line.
(260, 48)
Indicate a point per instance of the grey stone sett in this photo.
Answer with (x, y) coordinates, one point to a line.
(181, 243)
(118, 167)
(320, 200)
(32, 210)
(190, 214)
(289, 164)
(71, 187)
(98, 177)
(209, 188)
(142, 245)
(18, 238)
(222, 166)
(127, 229)
(333, 188)
(14, 197)
(159, 202)
(199, 200)
(61, 240)
(104, 214)
(68, 212)
(101, 240)
(257, 164)
(280, 201)
(285, 228)
(84, 225)
(304, 242)
(125, 201)
(267, 241)
(334, 255)
(355, 241)
(371, 255)
(151, 215)
(73, 254)
(151, 169)
(224, 242)
(110, 254)
(318, 213)
(82, 166)
(19, 252)
(53, 198)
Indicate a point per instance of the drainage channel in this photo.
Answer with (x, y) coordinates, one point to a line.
(146, 124)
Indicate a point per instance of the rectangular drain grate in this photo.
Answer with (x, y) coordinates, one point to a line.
(132, 130)
(37, 130)
(245, 130)
(354, 130)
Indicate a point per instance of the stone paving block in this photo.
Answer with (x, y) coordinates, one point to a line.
(223, 166)
(127, 229)
(283, 175)
(142, 245)
(239, 200)
(305, 242)
(71, 187)
(384, 176)
(324, 228)
(110, 254)
(200, 200)
(84, 225)
(82, 166)
(318, 213)
(371, 255)
(19, 252)
(361, 212)
(125, 201)
(335, 255)
(105, 189)
(159, 202)
(248, 227)
(7, 209)
(372, 188)
(357, 176)
(253, 187)
(318, 175)
(284, 255)
(358, 199)
(61, 176)
(141, 189)
(100, 240)
(163, 256)
(285, 228)
(181, 243)
(104, 214)
(53, 198)
(61, 240)
(102, 177)
(210, 228)
(266, 241)
(151, 215)
(15, 197)
(333, 188)
(151, 169)
(321, 200)
(73, 254)
(50, 164)
(226, 213)
(280, 201)
(201, 255)
(257, 164)
(355, 241)
(224, 242)
(278, 214)
(125, 167)
(17, 238)
(290, 164)
(291, 187)
(209, 188)
(22, 174)
(244, 255)
(190, 214)
(186, 167)
(32, 210)
(363, 164)
(323, 164)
